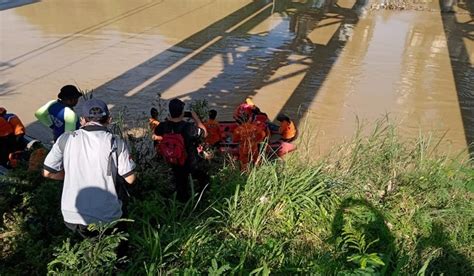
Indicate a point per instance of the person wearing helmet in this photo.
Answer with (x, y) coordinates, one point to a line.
(59, 114)
(287, 128)
(246, 107)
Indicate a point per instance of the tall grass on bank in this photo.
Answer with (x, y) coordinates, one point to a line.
(375, 205)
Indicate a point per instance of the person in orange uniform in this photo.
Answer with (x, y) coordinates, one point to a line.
(7, 141)
(246, 107)
(153, 120)
(12, 131)
(248, 135)
(214, 133)
(287, 128)
(153, 123)
(261, 120)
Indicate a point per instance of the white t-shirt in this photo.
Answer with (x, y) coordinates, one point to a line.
(90, 164)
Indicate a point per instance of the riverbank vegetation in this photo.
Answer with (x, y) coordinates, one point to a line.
(374, 205)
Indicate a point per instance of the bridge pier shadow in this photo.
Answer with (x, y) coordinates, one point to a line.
(10, 4)
(457, 34)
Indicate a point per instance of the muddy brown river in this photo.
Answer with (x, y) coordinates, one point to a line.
(324, 68)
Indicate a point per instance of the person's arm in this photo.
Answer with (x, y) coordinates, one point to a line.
(236, 135)
(199, 124)
(131, 178)
(261, 134)
(42, 114)
(155, 137)
(71, 121)
(158, 133)
(126, 166)
(53, 164)
(53, 175)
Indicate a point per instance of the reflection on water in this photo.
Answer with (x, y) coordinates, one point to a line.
(325, 61)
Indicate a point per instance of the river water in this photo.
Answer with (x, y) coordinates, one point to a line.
(325, 69)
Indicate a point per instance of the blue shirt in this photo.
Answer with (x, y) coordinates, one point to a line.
(58, 116)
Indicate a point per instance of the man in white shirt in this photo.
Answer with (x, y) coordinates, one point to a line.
(90, 160)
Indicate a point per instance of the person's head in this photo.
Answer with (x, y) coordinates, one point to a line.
(283, 117)
(154, 113)
(176, 108)
(95, 110)
(212, 114)
(3, 111)
(69, 95)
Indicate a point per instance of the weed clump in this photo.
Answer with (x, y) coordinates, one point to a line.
(375, 205)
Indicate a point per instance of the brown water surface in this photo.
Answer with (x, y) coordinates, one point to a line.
(334, 66)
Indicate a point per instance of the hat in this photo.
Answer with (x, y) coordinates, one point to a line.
(249, 101)
(69, 92)
(94, 108)
(282, 117)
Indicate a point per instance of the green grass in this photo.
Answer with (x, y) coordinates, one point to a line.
(374, 206)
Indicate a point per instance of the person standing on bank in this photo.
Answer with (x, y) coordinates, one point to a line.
(90, 160)
(178, 146)
(59, 114)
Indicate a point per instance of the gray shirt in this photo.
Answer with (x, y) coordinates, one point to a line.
(90, 164)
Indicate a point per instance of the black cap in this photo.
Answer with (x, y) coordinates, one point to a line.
(282, 117)
(69, 92)
(94, 108)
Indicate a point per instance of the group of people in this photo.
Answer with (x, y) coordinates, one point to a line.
(254, 127)
(96, 165)
(250, 130)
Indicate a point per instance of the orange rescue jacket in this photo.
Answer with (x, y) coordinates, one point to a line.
(5, 127)
(287, 130)
(248, 136)
(15, 122)
(214, 133)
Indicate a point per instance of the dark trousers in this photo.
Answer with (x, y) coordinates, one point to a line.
(7, 146)
(82, 231)
(181, 176)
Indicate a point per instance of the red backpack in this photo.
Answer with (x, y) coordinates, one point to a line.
(172, 148)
